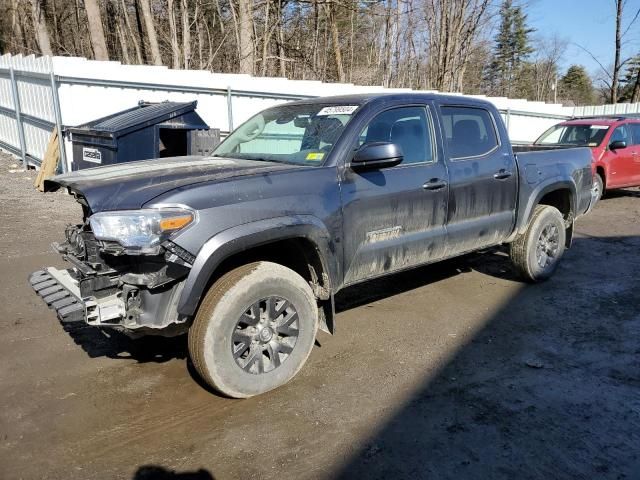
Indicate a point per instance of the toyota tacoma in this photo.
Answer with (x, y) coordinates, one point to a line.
(246, 249)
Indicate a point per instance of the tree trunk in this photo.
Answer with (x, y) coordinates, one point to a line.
(96, 32)
(134, 39)
(151, 32)
(219, 12)
(40, 26)
(245, 28)
(173, 35)
(186, 34)
(265, 38)
(335, 40)
(123, 42)
(283, 64)
(140, 28)
(16, 25)
(615, 79)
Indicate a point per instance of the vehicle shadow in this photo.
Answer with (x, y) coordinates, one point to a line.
(397, 283)
(154, 472)
(621, 193)
(543, 390)
(112, 344)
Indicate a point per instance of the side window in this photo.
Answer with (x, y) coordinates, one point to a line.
(469, 131)
(621, 133)
(407, 127)
(635, 133)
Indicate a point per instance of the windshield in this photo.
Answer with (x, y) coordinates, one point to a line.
(295, 134)
(584, 135)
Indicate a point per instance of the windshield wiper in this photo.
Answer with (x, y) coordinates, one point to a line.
(257, 159)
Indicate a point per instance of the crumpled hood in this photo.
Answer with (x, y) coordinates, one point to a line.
(130, 185)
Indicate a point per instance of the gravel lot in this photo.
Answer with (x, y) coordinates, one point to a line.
(456, 370)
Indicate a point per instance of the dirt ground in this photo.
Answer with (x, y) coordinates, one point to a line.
(456, 370)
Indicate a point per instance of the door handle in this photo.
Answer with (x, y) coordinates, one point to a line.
(502, 174)
(434, 184)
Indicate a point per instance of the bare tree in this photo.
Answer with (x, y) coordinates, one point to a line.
(453, 27)
(96, 32)
(335, 39)
(132, 35)
(245, 36)
(617, 64)
(40, 27)
(173, 35)
(151, 32)
(186, 33)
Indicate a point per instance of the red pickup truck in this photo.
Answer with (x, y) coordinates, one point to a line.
(614, 141)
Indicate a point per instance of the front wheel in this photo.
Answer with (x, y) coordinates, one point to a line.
(537, 251)
(598, 187)
(254, 329)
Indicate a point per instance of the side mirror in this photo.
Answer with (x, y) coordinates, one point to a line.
(375, 155)
(617, 145)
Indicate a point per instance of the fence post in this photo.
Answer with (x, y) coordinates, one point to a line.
(508, 120)
(58, 114)
(19, 125)
(229, 109)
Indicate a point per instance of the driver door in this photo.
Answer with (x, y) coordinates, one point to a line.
(394, 218)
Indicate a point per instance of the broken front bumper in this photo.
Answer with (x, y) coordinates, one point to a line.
(61, 292)
(128, 309)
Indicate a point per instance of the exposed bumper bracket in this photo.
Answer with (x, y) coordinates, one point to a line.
(60, 292)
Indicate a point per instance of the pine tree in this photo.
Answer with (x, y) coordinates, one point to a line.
(499, 68)
(576, 86)
(511, 48)
(631, 81)
(520, 47)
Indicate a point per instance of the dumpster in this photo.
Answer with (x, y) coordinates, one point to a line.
(149, 130)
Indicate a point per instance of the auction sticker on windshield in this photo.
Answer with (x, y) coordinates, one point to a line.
(338, 110)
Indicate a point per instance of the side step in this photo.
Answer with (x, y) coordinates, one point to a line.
(68, 306)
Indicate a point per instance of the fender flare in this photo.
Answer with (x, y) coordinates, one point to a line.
(243, 237)
(548, 186)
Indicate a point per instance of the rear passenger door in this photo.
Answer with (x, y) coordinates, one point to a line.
(482, 178)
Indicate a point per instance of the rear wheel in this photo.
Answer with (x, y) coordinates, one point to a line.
(254, 330)
(536, 252)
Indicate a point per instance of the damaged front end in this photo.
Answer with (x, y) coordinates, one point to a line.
(125, 271)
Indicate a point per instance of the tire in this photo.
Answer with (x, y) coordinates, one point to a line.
(254, 329)
(598, 186)
(537, 251)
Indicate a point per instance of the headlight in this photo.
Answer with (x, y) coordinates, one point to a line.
(140, 229)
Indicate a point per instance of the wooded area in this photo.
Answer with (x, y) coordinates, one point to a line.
(469, 46)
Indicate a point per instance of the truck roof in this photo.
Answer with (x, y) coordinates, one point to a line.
(375, 97)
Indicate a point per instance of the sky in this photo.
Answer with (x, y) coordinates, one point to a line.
(588, 23)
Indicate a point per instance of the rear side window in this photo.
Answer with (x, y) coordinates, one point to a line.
(469, 131)
(635, 133)
(407, 127)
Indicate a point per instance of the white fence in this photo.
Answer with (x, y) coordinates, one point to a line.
(38, 93)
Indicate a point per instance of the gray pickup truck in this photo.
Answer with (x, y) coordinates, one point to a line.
(245, 249)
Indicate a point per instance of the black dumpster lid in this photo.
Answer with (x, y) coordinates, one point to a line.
(144, 114)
